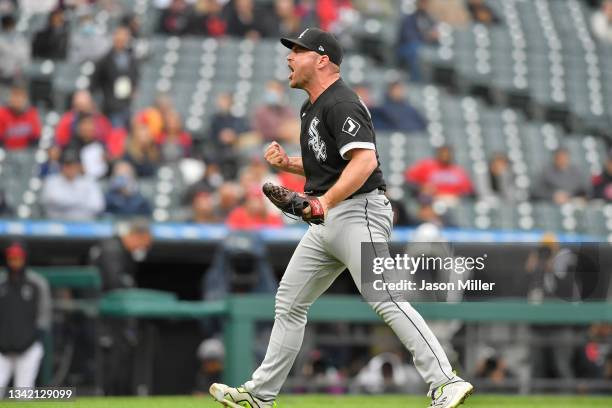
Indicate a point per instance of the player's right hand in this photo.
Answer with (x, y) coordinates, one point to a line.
(276, 156)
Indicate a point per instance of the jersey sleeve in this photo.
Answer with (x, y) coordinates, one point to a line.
(351, 126)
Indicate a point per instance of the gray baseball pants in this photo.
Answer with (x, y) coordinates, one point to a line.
(322, 254)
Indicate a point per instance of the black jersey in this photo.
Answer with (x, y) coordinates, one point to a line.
(337, 122)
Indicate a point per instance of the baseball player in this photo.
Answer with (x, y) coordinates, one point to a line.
(345, 205)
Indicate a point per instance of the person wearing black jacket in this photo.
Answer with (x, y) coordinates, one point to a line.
(117, 76)
(25, 313)
(118, 257)
(52, 41)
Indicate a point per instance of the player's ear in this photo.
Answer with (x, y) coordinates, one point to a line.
(324, 61)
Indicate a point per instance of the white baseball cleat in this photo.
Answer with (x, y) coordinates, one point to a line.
(451, 395)
(238, 397)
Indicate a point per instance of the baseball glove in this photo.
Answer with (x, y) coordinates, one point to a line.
(291, 202)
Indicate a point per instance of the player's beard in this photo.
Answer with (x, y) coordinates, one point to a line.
(301, 81)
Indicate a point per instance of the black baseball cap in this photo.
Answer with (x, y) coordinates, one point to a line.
(319, 41)
(70, 156)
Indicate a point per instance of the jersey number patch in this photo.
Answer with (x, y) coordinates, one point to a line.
(351, 126)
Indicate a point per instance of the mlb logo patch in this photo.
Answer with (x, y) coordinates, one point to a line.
(351, 126)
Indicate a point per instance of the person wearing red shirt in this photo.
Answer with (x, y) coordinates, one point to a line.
(253, 214)
(19, 122)
(440, 176)
(82, 104)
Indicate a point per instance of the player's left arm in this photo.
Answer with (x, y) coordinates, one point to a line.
(351, 125)
(362, 162)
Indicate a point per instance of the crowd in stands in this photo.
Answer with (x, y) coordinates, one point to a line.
(102, 148)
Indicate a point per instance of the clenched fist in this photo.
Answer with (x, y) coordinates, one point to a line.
(276, 156)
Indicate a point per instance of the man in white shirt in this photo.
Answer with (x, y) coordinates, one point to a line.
(70, 195)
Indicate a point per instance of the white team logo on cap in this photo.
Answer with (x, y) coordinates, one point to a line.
(303, 32)
(321, 48)
(351, 126)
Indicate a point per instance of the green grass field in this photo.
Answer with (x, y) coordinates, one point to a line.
(316, 401)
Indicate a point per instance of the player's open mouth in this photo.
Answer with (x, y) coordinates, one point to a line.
(291, 72)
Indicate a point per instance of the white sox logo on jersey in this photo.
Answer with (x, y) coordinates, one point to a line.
(315, 143)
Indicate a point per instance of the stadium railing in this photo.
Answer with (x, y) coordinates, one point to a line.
(242, 312)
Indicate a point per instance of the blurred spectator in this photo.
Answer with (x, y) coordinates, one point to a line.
(211, 180)
(289, 23)
(19, 122)
(551, 272)
(8, 6)
(69, 195)
(207, 19)
(552, 275)
(154, 116)
(132, 22)
(493, 367)
(561, 180)
(175, 19)
(415, 30)
(118, 257)
(385, 373)
(320, 376)
(140, 46)
(203, 209)
(117, 76)
(229, 198)
(592, 356)
(288, 134)
(175, 142)
(91, 150)
(602, 184)
(123, 197)
(82, 104)
(88, 42)
(601, 22)
(53, 164)
(14, 49)
(6, 210)
(481, 13)
(501, 178)
(331, 14)
(396, 113)
(37, 6)
(426, 213)
(211, 354)
(255, 174)
(306, 9)
(253, 214)
(142, 152)
(246, 19)
(224, 132)
(451, 12)
(268, 117)
(52, 41)
(440, 177)
(364, 92)
(25, 315)
(225, 119)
